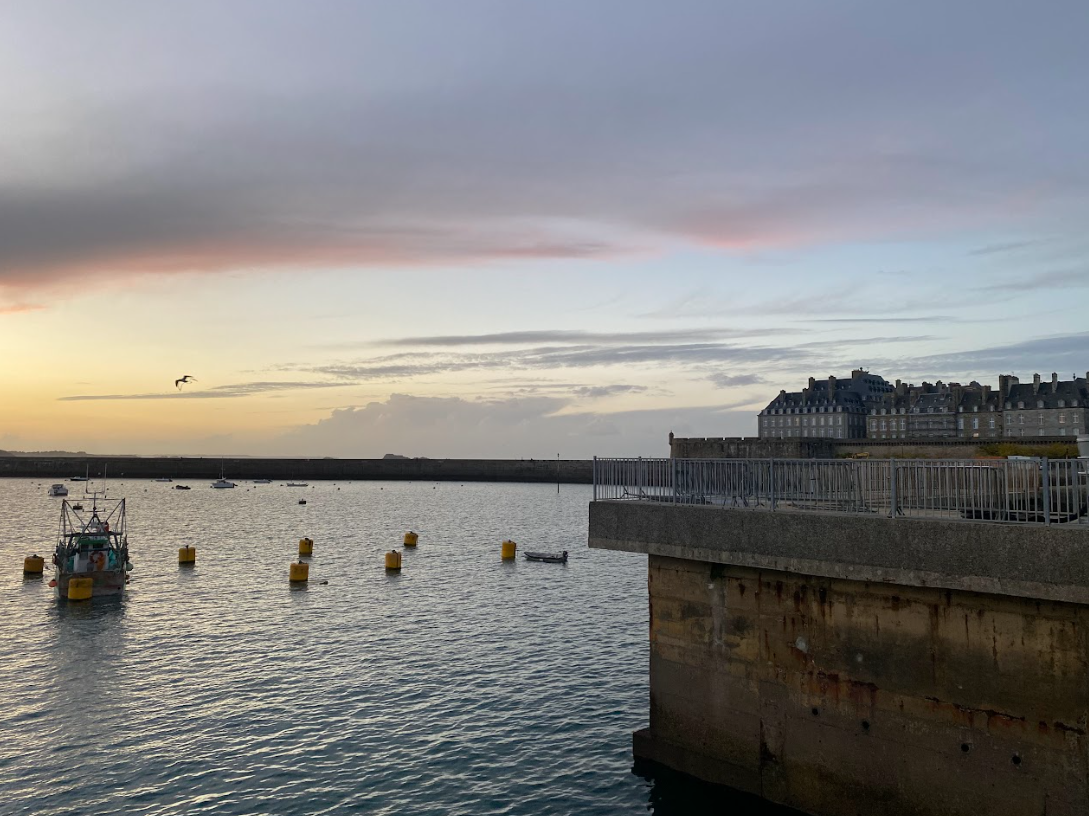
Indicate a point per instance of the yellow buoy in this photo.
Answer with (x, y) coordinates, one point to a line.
(509, 549)
(80, 589)
(411, 538)
(306, 546)
(300, 572)
(393, 560)
(187, 555)
(33, 564)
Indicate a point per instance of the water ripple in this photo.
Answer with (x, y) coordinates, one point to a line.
(462, 685)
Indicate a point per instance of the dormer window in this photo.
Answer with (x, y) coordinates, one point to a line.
(1062, 403)
(1039, 403)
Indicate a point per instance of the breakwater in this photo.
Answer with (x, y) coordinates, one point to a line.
(568, 471)
(842, 664)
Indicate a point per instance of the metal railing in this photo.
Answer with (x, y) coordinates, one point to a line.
(1025, 491)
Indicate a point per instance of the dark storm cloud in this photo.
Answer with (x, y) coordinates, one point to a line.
(206, 136)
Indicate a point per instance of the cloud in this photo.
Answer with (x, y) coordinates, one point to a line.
(1062, 353)
(1004, 247)
(513, 428)
(232, 391)
(1054, 279)
(600, 391)
(571, 336)
(440, 134)
(20, 308)
(721, 380)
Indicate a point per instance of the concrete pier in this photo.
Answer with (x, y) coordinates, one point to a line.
(847, 665)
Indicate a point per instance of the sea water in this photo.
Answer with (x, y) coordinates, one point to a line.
(463, 684)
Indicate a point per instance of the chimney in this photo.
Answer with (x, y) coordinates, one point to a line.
(986, 393)
(1054, 382)
(812, 382)
(1035, 383)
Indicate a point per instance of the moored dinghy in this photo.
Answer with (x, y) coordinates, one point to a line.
(551, 558)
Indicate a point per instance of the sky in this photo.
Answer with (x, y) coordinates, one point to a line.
(523, 229)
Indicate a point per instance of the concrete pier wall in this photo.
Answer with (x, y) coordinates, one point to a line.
(863, 684)
(570, 471)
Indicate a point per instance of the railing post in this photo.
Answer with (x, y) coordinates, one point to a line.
(639, 478)
(672, 480)
(892, 488)
(771, 483)
(1045, 484)
(593, 470)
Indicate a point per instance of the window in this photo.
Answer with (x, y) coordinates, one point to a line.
(903, 424)
(975, 423)
(1020, 419)
(1040, 432)
(990, 423)
(1062, 419)
(1039, 417)
(883, 425)
(1062, 431)
(1039, 403)
(960, 423)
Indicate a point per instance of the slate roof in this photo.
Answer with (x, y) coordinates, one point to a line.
(1068, 391)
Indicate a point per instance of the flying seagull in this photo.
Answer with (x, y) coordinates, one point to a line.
(184, 379)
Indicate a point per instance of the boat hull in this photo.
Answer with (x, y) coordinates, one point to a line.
(106, 582)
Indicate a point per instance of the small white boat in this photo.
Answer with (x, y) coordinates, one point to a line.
(297, 484)
(80, 479)
(162, 479)
(58, 490)
(222, 482)
(262, 481)
(551, 558)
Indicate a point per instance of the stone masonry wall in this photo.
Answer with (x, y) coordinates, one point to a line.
(846, 698)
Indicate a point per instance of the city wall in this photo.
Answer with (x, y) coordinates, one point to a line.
(756, 448)
(846, 666)
(571, 471)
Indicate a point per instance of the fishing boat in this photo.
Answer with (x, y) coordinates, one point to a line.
(163, 479)
(297, 484)
(262, 481)
(58, 490)
(551, 558)
(92, 544)
(182, 487)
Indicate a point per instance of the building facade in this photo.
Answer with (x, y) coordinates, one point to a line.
(825, 409)
(937, 411)
(1048, 409)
